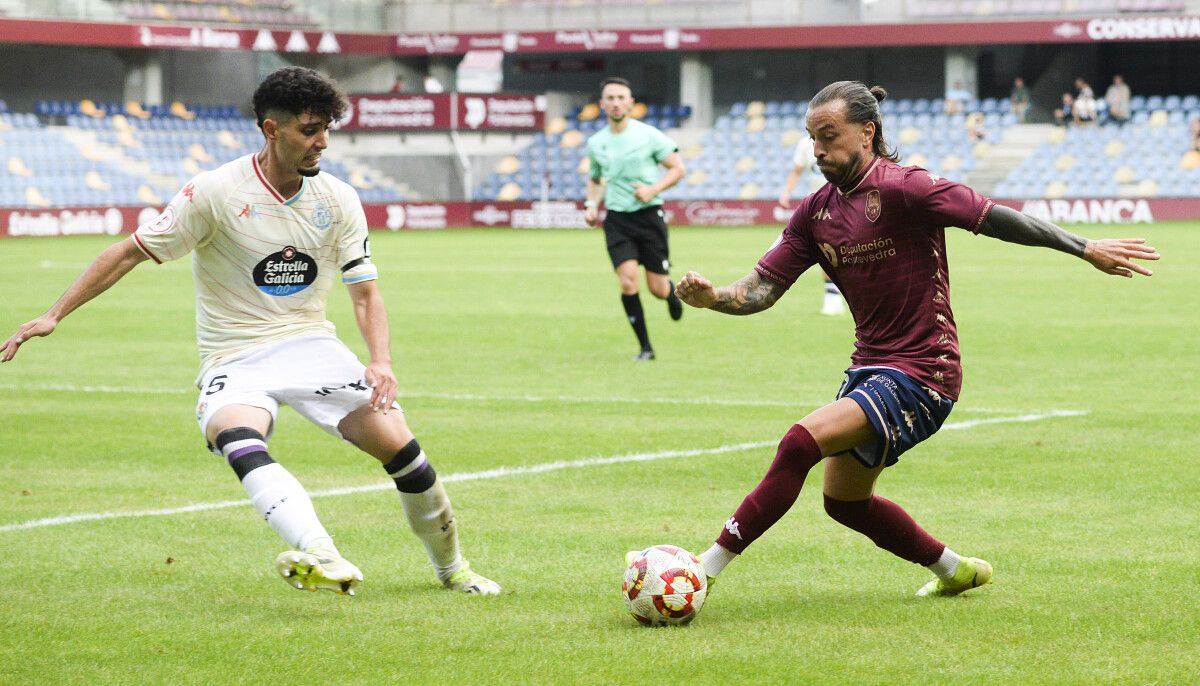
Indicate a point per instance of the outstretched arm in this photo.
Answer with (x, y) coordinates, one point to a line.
(752, 293)
(1110, 255)
(371, 316)
(109, 266)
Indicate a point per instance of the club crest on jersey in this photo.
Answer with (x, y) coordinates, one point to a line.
(322, 216)
(874, 205)
(286, 272)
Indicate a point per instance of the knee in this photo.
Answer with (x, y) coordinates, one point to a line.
(629, 285)
(847, 512)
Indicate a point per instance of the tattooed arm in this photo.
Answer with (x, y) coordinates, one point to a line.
(1110, 255)
(752, 293)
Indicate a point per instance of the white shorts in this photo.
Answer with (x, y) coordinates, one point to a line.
(317, 376)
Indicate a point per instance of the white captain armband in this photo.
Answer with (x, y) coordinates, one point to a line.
(356, 271)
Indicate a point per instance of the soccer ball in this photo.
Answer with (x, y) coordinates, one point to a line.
(664, 585)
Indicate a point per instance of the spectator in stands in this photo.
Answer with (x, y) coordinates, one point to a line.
(1018, 99)
(957, 98)
(1084, 109)
(976, 131)
(1062, 115)
(804, 158)
(432, 85)
(1195, 134)
(1117, 97)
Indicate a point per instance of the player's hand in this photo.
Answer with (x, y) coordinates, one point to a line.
(785, 201)
(696, 290)
(590, 214)
(42, 326)
(1115, 256)
(643, 193)
(382, 380)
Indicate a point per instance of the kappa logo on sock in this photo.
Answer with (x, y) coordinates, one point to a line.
(732, 527)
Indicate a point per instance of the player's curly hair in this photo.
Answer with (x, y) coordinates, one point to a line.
(862, 106)
(297, 90)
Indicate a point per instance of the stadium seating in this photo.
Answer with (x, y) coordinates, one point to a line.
(108, 154)
(253, 12)
(1147, 157)
(977, 9)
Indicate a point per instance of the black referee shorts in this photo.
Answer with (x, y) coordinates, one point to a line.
(640, 235)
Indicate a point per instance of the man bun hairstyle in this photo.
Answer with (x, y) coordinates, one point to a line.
(614, 80)
(862, 106)
(297, 90)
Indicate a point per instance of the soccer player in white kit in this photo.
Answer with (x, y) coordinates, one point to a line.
(804, 158)
(268, 234)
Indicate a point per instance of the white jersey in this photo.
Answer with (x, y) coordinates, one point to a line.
(263, 264)
(804, 157)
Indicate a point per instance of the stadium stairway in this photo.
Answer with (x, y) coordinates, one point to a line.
(1017, 143)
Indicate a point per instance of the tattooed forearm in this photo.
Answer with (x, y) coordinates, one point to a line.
(748, 295)
(1014, 227)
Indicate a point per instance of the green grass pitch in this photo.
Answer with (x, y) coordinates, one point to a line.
(513, 352)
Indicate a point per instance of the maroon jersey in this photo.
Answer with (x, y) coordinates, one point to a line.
(884, 245)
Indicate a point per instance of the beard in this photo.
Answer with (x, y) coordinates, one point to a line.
(841, 175)
(309, 171)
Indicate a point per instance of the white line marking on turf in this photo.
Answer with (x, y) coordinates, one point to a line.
(496, 473)
(475, 397)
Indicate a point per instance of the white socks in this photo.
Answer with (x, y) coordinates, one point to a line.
(715, 558)
(432, 520)
(286, 507)
(946, 565)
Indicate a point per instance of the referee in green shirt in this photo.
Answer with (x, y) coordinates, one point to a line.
(624, 158)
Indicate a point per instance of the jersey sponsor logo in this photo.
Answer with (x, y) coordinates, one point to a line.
(820, 214)
(163, 222)
(286, 272)
(874, 205)
(829, 253)
(322, 216)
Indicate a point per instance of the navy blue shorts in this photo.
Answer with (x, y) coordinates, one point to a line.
(903, 412)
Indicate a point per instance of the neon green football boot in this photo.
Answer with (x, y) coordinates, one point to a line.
(471, 582)
(315, 568)
(972, 572)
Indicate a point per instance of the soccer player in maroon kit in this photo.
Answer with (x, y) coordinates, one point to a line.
(877, 229)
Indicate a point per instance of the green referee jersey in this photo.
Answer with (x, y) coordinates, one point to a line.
(628, 158)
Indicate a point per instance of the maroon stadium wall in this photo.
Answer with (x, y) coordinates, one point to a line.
(552, 215)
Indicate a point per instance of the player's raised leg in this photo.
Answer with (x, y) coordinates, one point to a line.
(663, 288)
(238, 432)
(387, 438)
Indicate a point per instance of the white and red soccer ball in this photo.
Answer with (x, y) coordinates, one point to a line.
(664, 584)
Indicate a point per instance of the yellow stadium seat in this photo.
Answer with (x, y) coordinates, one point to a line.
(744, 164)
(94, 180)
(589, 112)
(1114, 148)
(198, 153)
(1148, 188)
(126, 139)
(228, 140)
(916, 160)
(34, 197)
(16, 167)
(120, 123)
(1190, 160)
(135, 109)
(638, 111)
(697, 178)
(755, 109)
(691, 152)
(509, 191)
(148, 196)
(755, 124)
(161, 12)
(791, 137)
(508, 165)
(749, 191)
(1158, 118)
(571, 139)
(951, 163)
(359, 181)
(87, 107)
(191, 166)
(909, 135)
(556, 125)
(180, 110)
(1124, 175)
(1056, 189)
(1064, 162)
(982, 149)
(1056, 135)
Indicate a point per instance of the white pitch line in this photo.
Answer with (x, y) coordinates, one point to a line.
(476, 397)
(497, 473)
